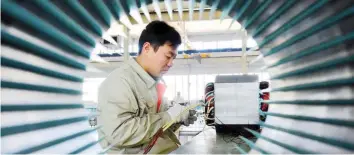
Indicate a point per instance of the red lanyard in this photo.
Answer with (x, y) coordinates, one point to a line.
(160, 91)
(161, 88)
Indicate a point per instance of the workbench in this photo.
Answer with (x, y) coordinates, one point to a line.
(210, 142)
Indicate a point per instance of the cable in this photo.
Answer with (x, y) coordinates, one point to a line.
(242, 133)
(209, 100)
(223, 135)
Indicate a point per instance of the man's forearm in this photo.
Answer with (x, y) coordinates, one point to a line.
(139, 130)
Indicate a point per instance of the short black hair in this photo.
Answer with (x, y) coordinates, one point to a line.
(157, 33)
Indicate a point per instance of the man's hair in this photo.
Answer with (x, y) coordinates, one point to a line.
(157, 33)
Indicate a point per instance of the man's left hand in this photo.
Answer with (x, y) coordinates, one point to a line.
(191, 118)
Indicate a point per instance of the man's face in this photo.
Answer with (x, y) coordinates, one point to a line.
(161, 60)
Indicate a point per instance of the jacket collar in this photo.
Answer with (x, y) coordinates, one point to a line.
(149, 81)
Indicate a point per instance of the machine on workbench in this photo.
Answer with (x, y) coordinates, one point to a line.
(233, 103)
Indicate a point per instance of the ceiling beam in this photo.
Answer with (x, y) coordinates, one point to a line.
(191, 9)
(241, 12)
(185, 16)
(201, 8)
(157, 8)
(145, 10)
(134, 11)
(226, 10)
(180, 8)
(168, 4)
(213, 9)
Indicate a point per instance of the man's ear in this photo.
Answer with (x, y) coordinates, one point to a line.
(146, 47)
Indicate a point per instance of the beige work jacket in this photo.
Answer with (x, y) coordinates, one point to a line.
(127, 104)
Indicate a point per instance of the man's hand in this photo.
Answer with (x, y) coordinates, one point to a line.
(191, 118)
(185, 118)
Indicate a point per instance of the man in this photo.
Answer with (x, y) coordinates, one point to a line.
(129, 102)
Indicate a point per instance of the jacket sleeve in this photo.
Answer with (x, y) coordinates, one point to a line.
(124, 123)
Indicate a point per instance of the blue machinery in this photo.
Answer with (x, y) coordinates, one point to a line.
(307, 45)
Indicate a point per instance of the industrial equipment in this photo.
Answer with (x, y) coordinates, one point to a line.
(209, 109)
(263, 107)
(236, 103)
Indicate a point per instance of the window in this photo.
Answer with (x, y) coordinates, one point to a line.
(197, 45)
(130, 49)
(225, 74)
(194, 90)
(185, 87)
(209, 78)
(264, 76)
(171, 84)
(136, 48)
(210, 45)
(181, 47)
(236, 44)
(193, 87)
(200, 86)
(179, 84)
(224, 44)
